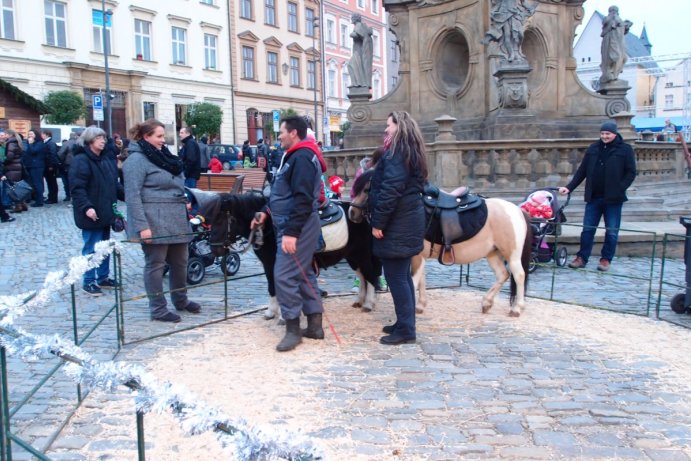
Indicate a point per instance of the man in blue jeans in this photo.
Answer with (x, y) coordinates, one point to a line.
(609, 168)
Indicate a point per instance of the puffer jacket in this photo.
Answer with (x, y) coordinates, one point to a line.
(13, 160)
(395, 204)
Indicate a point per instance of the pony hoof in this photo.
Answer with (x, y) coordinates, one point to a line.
(419, 310)
(268, 316)
(366, 308)
(357, 304)
(514, 314)
(281, 322)
(485, 309)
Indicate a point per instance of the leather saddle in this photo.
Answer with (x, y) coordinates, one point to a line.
(443, 208)
(329, 213)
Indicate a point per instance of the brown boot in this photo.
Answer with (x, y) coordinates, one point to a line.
(577, 263)
(24, 206)
(17, 208)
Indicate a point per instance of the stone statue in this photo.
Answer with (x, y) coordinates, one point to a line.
(508, 19)
(360, 64)
(613, 49)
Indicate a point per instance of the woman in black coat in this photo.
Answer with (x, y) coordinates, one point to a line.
(94, 189)
(398, 217)
(35, 162)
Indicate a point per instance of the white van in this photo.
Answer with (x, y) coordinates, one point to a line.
(61, 132)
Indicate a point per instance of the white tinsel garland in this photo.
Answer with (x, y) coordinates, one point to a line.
(245, 442)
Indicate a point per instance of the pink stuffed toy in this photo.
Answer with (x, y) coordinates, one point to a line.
(538, 205)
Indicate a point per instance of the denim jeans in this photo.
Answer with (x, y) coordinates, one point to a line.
(66, 184)
(397, 273)
(594, 210)
(91, 237)
(37, 182)
(4, 196)
(190, 182)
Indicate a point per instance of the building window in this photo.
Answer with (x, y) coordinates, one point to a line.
(669, 101)
(294, 71)
(394, 81)
(248, 62)
(346, 82)
(210, 51)
(332, 83)
(375, 45)
(270, 12)
(330, 24)
(178, 41)
(272, 67)
(292, 17)
(142, 39)
(56, 17)
(309, 22)
(311, 75)
(394, 51)
(361, 4)
(7, 20)
(97, 20)
(149, 110)
(375, 7)
(345, 37)
(246, 9)
(376, 88)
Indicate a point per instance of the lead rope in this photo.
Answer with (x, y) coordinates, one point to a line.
(304, 276)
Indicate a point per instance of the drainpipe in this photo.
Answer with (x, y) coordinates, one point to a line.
(232, 77)
(325, 111)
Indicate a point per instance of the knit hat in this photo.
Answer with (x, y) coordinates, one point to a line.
(609, 126)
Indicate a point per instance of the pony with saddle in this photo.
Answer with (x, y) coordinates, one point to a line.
(462, 228)
(341, 239)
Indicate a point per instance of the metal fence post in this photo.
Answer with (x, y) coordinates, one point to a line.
(6, 427)
(75, 333)
(141, 450)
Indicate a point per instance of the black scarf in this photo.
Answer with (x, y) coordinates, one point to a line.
(161, 158)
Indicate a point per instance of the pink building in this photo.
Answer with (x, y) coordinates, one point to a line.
(337, 51)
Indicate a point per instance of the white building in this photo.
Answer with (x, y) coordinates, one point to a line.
(164, 55)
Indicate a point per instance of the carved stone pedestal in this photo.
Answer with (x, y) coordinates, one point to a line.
(616, 93)
(513, 85)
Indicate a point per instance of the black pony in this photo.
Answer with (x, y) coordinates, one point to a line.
(232, 220)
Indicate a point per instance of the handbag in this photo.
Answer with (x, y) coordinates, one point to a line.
(19, 191)
(119, 223)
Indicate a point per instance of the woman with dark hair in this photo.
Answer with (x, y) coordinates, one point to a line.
(35, 162)
(157, 216)
(94, 188)
(14, 170)
(398, 217)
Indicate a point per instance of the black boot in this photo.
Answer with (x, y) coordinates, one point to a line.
(314, 328)
(292, 337)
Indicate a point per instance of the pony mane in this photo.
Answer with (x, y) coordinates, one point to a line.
(243, 206)
(361, 181)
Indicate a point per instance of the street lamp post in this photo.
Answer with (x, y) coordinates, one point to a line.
(106, 50)
(315, 25)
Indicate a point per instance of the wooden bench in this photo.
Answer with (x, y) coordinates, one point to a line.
(221, 182)
(254, 178)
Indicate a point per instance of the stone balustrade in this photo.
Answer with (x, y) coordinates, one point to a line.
(515, 166)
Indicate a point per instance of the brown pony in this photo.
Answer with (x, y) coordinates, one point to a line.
(505, 237)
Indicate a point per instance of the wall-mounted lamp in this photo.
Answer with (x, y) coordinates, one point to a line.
(284, 66)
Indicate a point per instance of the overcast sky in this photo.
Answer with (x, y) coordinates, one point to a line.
(666, 21)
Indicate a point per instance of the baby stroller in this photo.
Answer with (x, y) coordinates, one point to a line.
(546, 215)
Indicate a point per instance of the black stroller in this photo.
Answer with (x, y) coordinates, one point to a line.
(546, 222)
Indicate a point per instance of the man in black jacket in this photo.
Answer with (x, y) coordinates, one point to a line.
(52, 166)
(609, 168)
(293, 207)
(190, 156)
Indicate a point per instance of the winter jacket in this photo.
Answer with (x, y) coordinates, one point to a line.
(295, 189)
(190, 156)
(395, 203)
(66, 153)
(35, 156)
(52, 160)
(215, 165)
(94, 184)
(13, 160)
(204, 155)
(619, 165)
(155, 200)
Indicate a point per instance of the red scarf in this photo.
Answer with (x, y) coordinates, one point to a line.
(311, 145)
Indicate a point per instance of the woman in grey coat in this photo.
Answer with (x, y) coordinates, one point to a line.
(157, 216)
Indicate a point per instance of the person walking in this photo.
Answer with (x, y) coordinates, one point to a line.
(608, 168)
(157, 216)
(190, 156)
(398, 218)
(94, 190)
(52, 169)
(204, 154)
(65, 156)
(293, 206)
(36, 164)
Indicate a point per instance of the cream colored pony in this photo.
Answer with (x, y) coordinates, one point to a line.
(505, 237)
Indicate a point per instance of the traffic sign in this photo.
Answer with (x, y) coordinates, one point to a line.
(98, 115)
(277, 120)
(97, 101)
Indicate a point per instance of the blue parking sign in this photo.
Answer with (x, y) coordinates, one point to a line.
(97, 101)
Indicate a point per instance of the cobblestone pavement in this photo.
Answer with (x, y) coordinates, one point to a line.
(43, 240)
